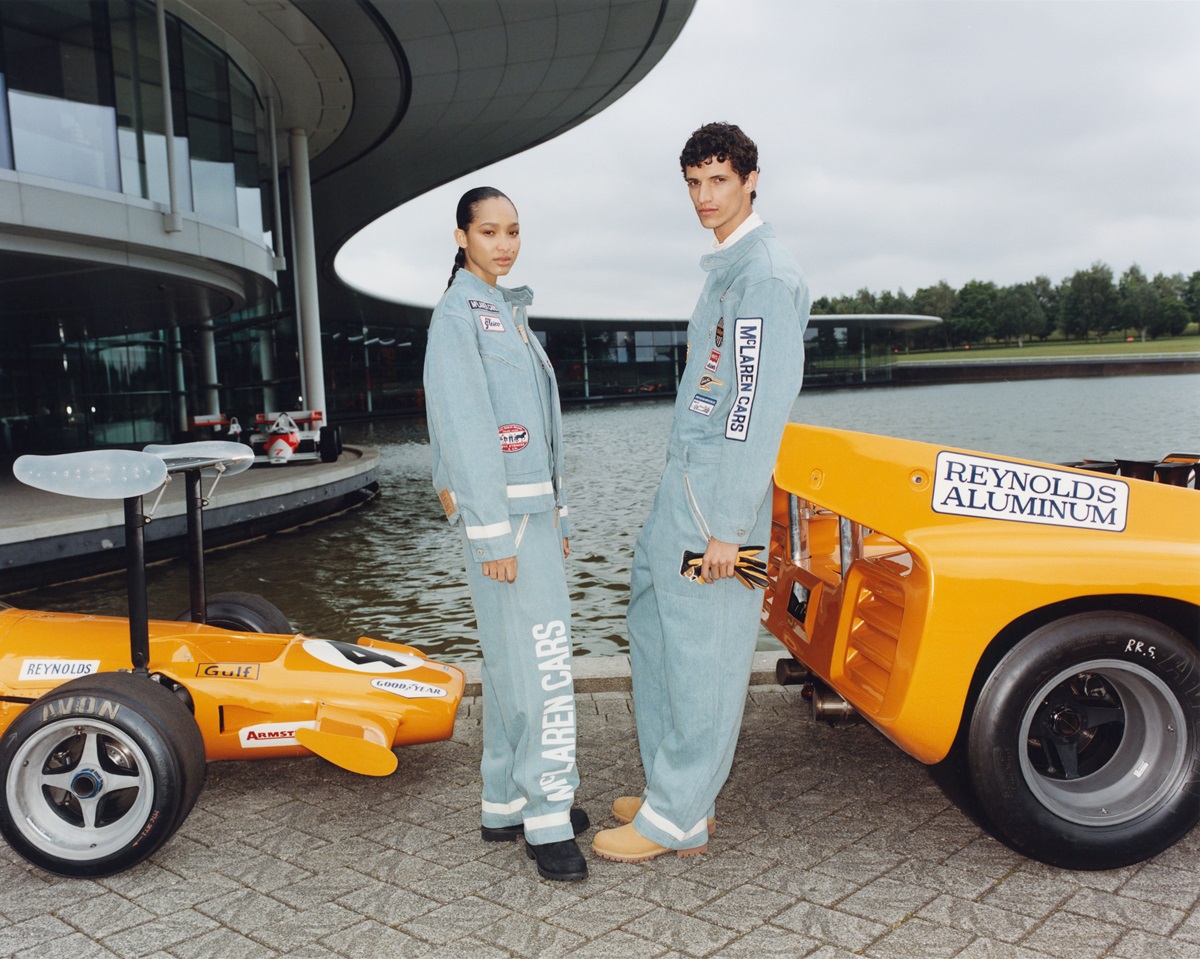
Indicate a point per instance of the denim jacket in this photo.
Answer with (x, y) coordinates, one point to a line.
(495, 427)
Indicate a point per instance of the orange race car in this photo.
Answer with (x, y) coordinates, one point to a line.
(1038, 623)
(107, 723)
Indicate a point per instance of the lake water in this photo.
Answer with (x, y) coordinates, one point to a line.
(393, 567)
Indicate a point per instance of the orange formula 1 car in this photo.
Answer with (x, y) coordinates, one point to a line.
(1039, 623)
(107, 723)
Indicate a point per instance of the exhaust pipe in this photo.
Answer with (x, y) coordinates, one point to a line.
(827, 706)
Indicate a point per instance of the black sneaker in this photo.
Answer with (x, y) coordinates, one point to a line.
(560, 860)
(579, 823)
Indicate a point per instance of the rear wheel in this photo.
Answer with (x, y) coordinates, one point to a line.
(329, 443)
(98, 774)
(242, 612)
(1084, 747)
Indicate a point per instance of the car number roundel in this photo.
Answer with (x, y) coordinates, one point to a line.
(361, 659)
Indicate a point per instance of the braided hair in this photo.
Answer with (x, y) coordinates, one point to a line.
(465, 215)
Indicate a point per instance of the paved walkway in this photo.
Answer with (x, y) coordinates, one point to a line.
(830, 844)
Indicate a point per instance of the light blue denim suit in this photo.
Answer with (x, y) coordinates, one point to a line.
(495, 430)
(691, 643)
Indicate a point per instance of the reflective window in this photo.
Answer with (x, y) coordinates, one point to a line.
(5, 143)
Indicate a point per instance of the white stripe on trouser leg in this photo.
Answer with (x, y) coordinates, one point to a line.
(550, 819)
(504, 809)
(669, 827)
(521, 530)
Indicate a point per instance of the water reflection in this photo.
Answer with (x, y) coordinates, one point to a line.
(394, 567)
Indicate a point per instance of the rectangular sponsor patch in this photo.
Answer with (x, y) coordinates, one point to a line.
(491, 324)
(968, 485)
(57, 669)
(483, 305)
(714, 357)
(747, 351)
(702, 405)
(266, 735)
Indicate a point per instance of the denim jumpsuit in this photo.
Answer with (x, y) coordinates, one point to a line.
(495, 430)
(691, 643)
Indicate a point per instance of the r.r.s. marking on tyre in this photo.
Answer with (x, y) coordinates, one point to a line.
(1136, 646)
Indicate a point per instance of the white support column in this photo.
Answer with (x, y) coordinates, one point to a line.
(304, 263)
(208, 359)
(172, 221)
(266, 366)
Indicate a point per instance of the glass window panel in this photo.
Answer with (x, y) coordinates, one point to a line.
(6, 160)
(65, 140)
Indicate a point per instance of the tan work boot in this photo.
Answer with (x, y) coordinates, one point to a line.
(626, 844)
(624, 808)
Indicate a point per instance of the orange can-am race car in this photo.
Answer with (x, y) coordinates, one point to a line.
(1039, 624)
(106, 724)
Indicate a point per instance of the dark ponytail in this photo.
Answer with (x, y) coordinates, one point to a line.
(464, 216)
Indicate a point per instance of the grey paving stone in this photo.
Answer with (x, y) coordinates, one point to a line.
(532, 896)
(264, 873)
(163, 933)
(665, 890)
(600, 914)
(885, 900)
(1189, 929)
(304, 929)
(225, 943)
(963, 883)
(769, 942)
(859, 864)
(39, 898)
(74, 946)
(618, 945)
(807, 884)
(1165, 885)
(1069, 935)
(679, 931)
(1126, 911)
(470, 948)
(1032, 895)
(745, 907)
(375, 940)
(314, 891)
(1003, 925)
(526, 936)
(919, 938)
(103, 915)
(985, 948)
(455, 921)
(830, 926)
(387, 904)
(245, 910)
(1143, 945)
(185, 893)
(450, 885)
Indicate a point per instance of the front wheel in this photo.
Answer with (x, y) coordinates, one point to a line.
(1084, 748)
(98, 774)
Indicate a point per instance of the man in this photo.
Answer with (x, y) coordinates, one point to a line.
(692, 628)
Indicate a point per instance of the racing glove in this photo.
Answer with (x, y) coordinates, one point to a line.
(748, 569)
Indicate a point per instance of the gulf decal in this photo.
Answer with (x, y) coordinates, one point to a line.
(702, 404)
(513, 437)
(714, 357)
(266, 735)
(968, 485)
(483, 305)
(747, 349)
(360, 659)
(409, 689)
(42, 669)
(491, 324)
(228, 670)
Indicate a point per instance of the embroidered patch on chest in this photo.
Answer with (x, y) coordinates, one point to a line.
(714, 357)
(708, 381)
(483, 305)
(747, 351)
(513, 438)
(720, 338)
(702, 405)
(491, 324)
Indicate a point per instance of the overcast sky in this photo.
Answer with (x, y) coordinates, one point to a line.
(902, 142)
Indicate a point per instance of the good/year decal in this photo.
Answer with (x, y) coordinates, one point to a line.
(968, 485)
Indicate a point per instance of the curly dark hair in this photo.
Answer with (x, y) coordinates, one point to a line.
(721, 142)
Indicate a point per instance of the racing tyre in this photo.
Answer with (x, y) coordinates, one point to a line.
(1084, 746)
(329, 442)
(244, 613)
(98, 774)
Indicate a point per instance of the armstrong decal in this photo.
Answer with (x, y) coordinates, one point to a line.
(747, 346)
(266, 735)
(513, 437)
(58, 669)
(360, 659)
(491, 324)
(995, 489)
(409, 689)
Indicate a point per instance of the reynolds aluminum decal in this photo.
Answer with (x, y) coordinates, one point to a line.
(968, 485)
(747, 349)
(409, 689)
(513, 437)
(34, 669)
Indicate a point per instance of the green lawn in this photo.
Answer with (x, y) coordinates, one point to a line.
(1065, 348)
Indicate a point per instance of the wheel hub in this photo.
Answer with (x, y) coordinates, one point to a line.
(1065, 722)
(87, 784)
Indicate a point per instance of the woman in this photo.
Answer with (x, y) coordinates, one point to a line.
(495, 429)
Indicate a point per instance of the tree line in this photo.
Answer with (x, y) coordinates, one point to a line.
(1091, 303)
